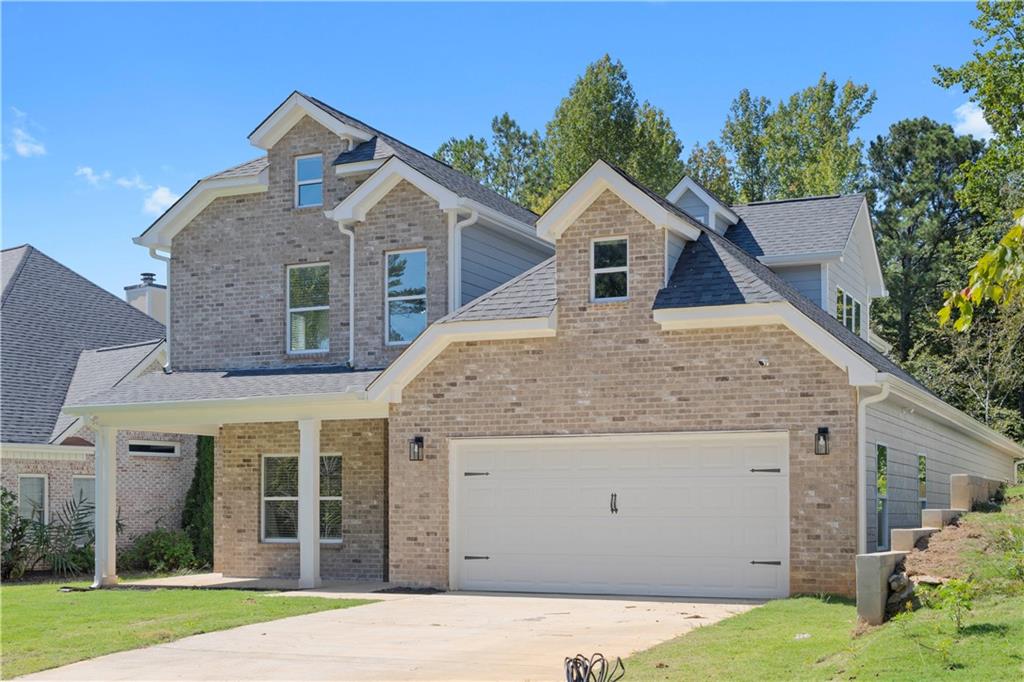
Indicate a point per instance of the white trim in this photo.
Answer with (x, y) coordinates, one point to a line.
(263, 499)
(817, 258)
(156, 443)
(388, 298)
(199, 196)
(289, 310)
(356, 205)
(290, 112)
(46, 451)
(869, 252)
(590, 186)
(46, 494)
(594, 272)
(714, 206)
(302, 183)
(357, 167)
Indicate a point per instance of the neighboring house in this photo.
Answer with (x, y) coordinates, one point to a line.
(63, 339)
(410, 378)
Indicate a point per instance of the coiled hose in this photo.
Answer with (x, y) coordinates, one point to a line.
(593, 669)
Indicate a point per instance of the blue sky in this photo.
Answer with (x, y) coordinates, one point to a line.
(110, 111)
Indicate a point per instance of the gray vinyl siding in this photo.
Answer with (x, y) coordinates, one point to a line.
(692, 204)
(673, 249)
(947, 451)
(848, 274)
(721, 224)
(490, 258)
(804, 278)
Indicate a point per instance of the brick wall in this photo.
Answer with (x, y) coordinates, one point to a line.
(150, 490)
(238, 550)
(612, 369)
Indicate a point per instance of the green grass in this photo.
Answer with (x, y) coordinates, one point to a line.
(44, 628)
(809, 638)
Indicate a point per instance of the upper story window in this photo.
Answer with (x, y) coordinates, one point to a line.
(308, 323)
(609, 269)
(309, 180)
(848, 311)
(405, 304)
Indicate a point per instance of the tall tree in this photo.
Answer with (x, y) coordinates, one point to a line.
(744, 136)
(709, 165)
(917, 221)
(519, 168)
(469, 155)
(655, 155)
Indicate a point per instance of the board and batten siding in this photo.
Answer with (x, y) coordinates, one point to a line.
(490, 258)
(804, 278)
(947, 451)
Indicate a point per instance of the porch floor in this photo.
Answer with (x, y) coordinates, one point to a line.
(333, 589)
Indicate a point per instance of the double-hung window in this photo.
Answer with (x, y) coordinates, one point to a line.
(405, 304)
(309, 180)
(280, 498)
(609, 269)
(308, 318)
(882, 498)
(83, 492)
(848, 311)
(32, 502)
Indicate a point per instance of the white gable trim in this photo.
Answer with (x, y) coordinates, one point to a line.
(590, 186)
(388, 386)
(198, 197)
(290, 112)
(46, 451)
(862, 237)
(356, 205)
(714, 205)
(358, 167)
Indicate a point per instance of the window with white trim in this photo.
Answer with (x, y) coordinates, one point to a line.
(83, 491)
(609, 269)
(280, 498)
(848, 311)
(309, 180)
(153, 448)
(922, 481)
(308, 323)
(32, 494)
(405, 300)
(882, 494)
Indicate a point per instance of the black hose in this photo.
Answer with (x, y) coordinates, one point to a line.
(593, 669)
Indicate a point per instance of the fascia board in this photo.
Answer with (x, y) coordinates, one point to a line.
(291, 112)
(816, 258)
(356, 205)
(357, 167)
(687, 183)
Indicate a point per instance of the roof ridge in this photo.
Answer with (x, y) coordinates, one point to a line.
(13, 279)
(816, 197)
(502, 287)
(19, 246)
(122, 346)
(236, 166)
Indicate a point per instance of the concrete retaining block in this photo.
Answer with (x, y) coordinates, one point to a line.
(938, 518)
(966, 489)
(873, 571)
(905, 539)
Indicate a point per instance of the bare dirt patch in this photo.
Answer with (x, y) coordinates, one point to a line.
(944, 555)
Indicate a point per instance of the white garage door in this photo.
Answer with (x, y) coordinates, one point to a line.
(703, 515)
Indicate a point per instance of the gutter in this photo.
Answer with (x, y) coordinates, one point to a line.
(347, 231)
(862, 462)
(455, 227)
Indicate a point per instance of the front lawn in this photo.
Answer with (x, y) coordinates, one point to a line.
(810, 638)
(44, 628)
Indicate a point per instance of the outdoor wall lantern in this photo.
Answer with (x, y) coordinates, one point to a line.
(416, 449)
(821, 441)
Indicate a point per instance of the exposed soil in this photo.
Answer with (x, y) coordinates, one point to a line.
(943, 556)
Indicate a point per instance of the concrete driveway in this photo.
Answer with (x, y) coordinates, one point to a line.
(454, 636)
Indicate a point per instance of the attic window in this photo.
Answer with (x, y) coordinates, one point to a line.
(848, 311)
(609, 268)
(309, 180)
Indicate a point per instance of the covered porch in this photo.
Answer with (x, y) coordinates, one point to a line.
(323, 502)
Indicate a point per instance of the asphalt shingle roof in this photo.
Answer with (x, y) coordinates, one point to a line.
(98, 370)
(50, 314)
(708, 273)
(531, 294)
(231, 384)
(242, 170)
(795, 227)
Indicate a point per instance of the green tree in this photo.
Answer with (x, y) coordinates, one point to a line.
(917, 221)
(197, 515)
(709, 165)
(519, 168)
(469, 155)
(655, 156)
(744, 137)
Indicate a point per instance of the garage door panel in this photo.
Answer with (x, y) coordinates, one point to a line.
(691, 516)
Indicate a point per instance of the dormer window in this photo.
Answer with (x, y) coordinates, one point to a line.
(309, 180)
(848, 311)
(609, 270)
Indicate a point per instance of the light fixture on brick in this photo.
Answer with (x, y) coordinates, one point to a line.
(416, 449)
(821, 441)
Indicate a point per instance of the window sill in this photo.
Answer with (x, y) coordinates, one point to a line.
(308, 209)
(295, 543)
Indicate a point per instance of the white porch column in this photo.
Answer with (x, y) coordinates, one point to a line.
(106, 506)
(309, 503)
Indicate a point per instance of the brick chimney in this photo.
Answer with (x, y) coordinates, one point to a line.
(149, 297)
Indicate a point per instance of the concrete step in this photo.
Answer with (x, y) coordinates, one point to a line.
(937, 518)
(905, 539)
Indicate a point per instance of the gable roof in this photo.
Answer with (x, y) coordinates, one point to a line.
(795, 227)
(98, 370)
(530, 294)
(50, 315)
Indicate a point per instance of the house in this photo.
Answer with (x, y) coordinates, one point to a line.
(63, 339)
(411, 378)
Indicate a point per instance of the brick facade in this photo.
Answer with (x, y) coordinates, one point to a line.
(150, 490)
(612, 369)
(238, 550)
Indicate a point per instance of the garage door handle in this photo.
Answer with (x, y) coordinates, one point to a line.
(766, 471)
(471, 557)
(613, 504)
(766, 563)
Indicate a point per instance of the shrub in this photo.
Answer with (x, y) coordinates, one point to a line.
(14, 531)
(956, 598)
(66, 543)
(160, 550)
(197, 517)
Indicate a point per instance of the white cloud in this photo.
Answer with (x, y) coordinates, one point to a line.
(970, 120)
(133, 183)
(159, 200)
(25, 145)
(92, 177)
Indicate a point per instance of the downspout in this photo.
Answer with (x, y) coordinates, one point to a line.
(862, 463)
(167, 333)
(351, 292)
(455, 227)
